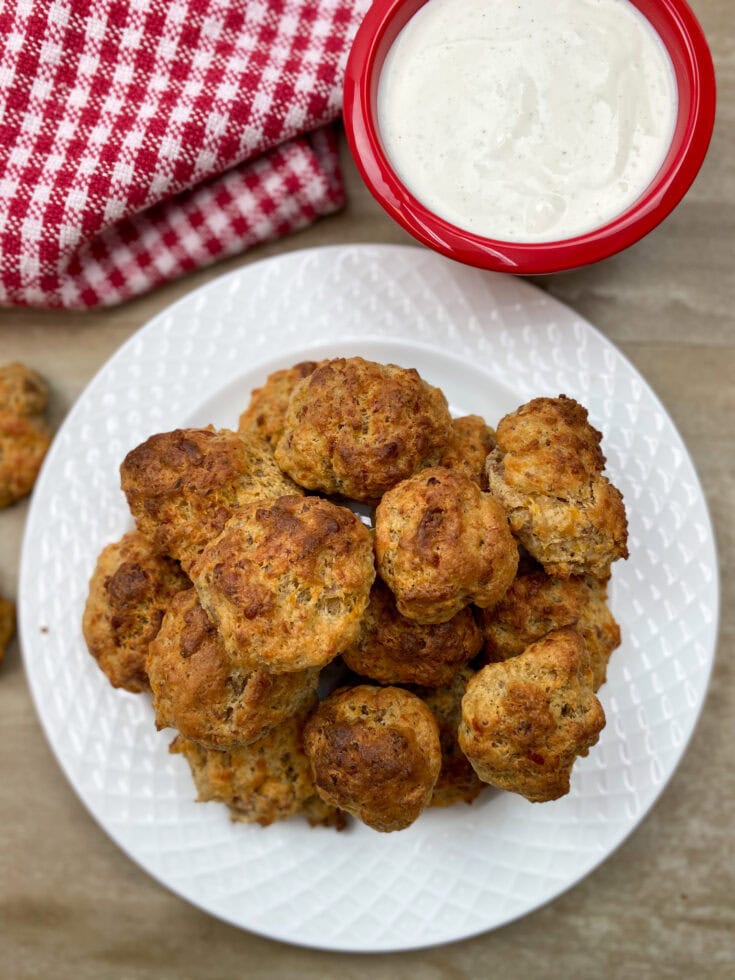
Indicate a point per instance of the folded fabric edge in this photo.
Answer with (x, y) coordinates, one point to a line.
(280, 192)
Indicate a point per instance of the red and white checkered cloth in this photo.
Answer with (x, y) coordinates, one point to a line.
(140, 139)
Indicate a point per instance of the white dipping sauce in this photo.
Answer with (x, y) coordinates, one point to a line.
(527, 120)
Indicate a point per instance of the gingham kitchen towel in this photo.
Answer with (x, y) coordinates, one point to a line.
(140, 139)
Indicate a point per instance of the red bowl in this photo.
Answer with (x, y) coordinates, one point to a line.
(684, 39)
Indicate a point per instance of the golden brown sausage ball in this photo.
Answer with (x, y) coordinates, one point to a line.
(536, 604)
(395, 650)
(266, 412)
(7, 625)
(287, 582)
(525, 720)
(24, 435)
(199, 691)
(375, 753)
(471, 441)
(129, 592)
(267, 780)
(23, 445)
(357, 428)
(458, 782)
(182, 486)
(441, 544)
(22, 390)
(547, 472)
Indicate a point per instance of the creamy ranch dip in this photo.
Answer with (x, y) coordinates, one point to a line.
(527, 120)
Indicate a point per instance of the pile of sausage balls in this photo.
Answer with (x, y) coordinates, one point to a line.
(320, 663)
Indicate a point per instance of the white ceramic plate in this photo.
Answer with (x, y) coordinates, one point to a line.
(491, 342)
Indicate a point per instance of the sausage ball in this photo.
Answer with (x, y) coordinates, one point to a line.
(23, 445)
(130, 590)
(395, 650)
(525, 720)
(287, 582)
(358, 428)
(536, 604)
(22, 390)
(375, 753)
(265, 781)
(471, 441)
(24, 435)
(547, 471)
(266, 412)
(199, 691)
(458, 782)
(7, 625)
(182, 486)
(441, 544)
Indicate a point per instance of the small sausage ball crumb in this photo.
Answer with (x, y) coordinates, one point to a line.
(7, 625)
(441, 544)
(357, 428)
(525, 720)
(375, 752)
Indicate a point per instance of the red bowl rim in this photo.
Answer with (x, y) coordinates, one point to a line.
(694, 69)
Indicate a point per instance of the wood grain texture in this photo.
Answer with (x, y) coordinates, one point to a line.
(72, 905)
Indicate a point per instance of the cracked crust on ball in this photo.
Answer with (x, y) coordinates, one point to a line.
(395, 650)
(265, 781)
(471, 441)
(357, 428)
(287, 582)
(537, 604)
(129, 592)
(442, 544)
(458, 782)
(182, 486)
(7, 625)
(199, 691)
(547, 471)
(375, 753)
(265, 415)
(525, 720)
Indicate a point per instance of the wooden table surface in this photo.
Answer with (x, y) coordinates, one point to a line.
(73, 905)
